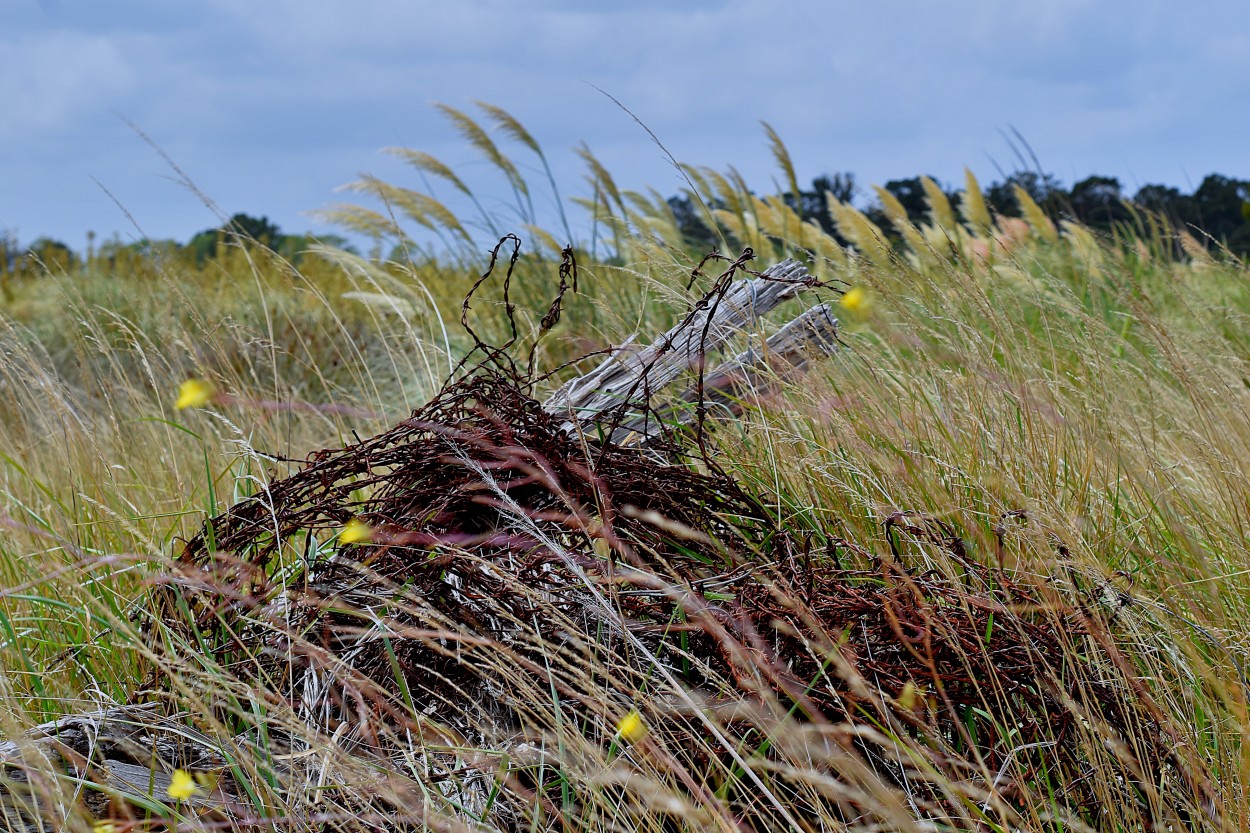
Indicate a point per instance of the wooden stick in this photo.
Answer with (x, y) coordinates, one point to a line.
(626, 380)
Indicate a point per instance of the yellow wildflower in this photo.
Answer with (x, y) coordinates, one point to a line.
(182, 786)
(356, 532)
(631, 727)
(855, 300)
(909, 697)
(104, 826)
(194, 393)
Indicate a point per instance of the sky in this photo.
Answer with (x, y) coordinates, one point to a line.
(268, 107)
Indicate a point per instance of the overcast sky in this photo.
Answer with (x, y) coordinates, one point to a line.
(268, 105)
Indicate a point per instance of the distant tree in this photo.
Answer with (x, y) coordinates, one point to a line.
(1097, 202)
(10, 251)
(814, 203)
(842, 185)
(1045, 189)
(155, 248)
(1164, 200)
(1219, 206)
(51, 254)
(691, 223)
(10, 254)
(259, 229)
(203, 246)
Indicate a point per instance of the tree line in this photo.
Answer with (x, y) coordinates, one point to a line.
(49, 253)
(1218, 209)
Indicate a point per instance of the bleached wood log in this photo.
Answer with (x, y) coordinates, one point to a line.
(125, 752)
(724, 389)
(633, 376)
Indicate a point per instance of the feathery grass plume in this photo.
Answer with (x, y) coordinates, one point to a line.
(744, 227)
(702, 193)
(393, 197)
(420, 208)
(641, 203)
(382, 301)
(940, 211)
(661, 205)
(654, 216)
(862, 232)
(724, 192)
(544, 238)
(898, 216)
(1036, 217)
(782, 155)
(1194, 247)
(703, 189)
(608, 207)
(434, 166)
(1152, 234)
(768, 221)
(426, 163)
(361, 220)
(477, 137)
(773, 238)
(825, 247)
(506, 122)
(789, 224)
(973, 206)
(600, 178)
(740, 185)
(730, 222)
(1084, 246)
(599, 209)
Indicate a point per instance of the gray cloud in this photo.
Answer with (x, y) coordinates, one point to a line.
(270, 105)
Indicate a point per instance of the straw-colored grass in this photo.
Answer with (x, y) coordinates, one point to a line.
(1078, 409)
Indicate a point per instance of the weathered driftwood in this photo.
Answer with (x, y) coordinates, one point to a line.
(633, 376)
(725, 388)
(125, 753)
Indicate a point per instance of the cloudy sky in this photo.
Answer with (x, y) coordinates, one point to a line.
(268, 106)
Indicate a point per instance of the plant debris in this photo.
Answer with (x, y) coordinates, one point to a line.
(519, 578)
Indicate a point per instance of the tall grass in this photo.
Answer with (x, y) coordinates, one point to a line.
(1075, 408)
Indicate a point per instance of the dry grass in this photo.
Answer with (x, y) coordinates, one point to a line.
(1032, 436)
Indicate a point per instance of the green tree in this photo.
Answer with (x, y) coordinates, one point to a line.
(203, 246)
(45, 252)
(695, 232)
(1098, 202)
(1164, 200)
(1219, 209)
(1045, 189)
